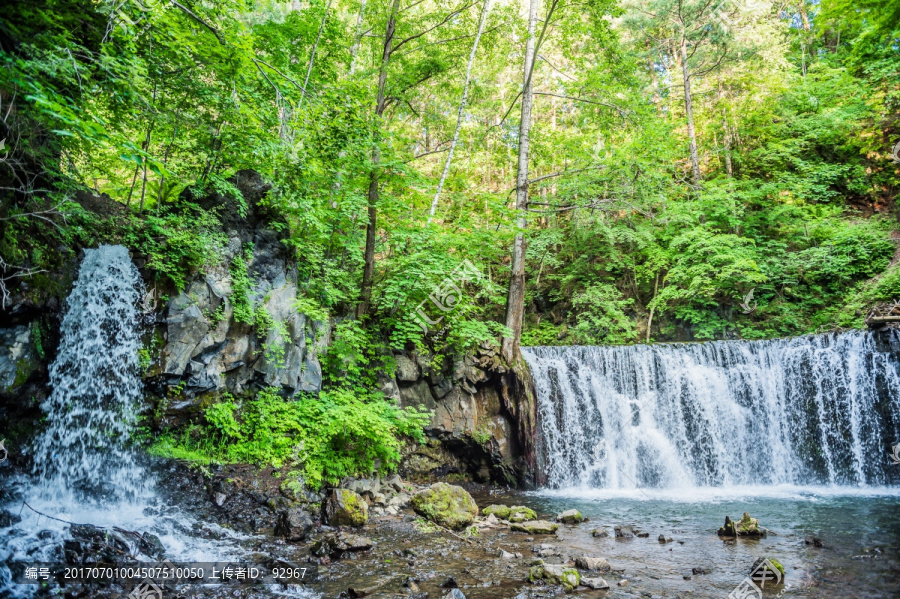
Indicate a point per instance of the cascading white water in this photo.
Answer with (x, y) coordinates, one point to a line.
(95, 386)
(815, 410)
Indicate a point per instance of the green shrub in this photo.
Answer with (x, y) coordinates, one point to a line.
(337, 434)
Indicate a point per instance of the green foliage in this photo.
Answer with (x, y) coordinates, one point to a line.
(241, 285)
(328, 437)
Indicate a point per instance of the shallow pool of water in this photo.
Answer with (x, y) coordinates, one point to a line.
(860, 530)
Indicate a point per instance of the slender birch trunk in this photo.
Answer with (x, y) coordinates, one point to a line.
(689, 111)
(515, 300)
(373, 195)
(462, 106)
(354, 50)
(312, 56)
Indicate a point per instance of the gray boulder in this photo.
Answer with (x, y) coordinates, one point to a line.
(293, 525)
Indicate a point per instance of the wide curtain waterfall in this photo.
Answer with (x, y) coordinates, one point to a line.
(815, 410)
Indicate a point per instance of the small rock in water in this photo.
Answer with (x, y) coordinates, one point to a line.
(450, 583)
(555, 574)
(643, 535)
(595, 583)
(570, 517)
(293, 524)
(699, 571)
(454, 594)
(664, 539)
(623, 583)
(814, 541)
(507, 555)
(520, 513)
(536, 527)
(587, 562)
(220, 499)
(499, 511)
(745, 527)
(624, 532)
(599, 533)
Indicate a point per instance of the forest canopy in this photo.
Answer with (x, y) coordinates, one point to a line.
(692, 169)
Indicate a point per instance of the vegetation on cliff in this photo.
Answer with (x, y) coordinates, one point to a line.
(451, 173)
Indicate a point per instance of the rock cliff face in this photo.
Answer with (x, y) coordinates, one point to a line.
(235, 332)
(483, 417)
(200, 343)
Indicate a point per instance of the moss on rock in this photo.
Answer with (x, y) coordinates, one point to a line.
(563, 575)
(520, 513)
(501, 511)
(450, 506)
(343, 507)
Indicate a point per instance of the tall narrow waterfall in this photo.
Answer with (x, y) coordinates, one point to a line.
(95, 383)
(816, 410)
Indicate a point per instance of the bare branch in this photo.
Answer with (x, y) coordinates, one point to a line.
(622, 112)
(430, 29)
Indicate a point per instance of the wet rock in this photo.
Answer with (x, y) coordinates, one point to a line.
(368, 587)
(219, 499)
(454, 594)
(643, 535)
(334, 544)
(664, 539)
(450, 506)
(624, 532)
(535, 527)
(622, 583)
(768, 570)
(699, 571)
(587, 562)
(545, 550)
(508, 555)
(599, 533)
(555, 574)
(814, 541)
(18, 359)
(570, 517)
(745, 527)
(293, 524)
(450, 583)
(343, 507)
(151, 546)
(501, 511)
(598, 584)
(520, 513)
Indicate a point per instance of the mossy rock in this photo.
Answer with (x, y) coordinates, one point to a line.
(343, 507)
(447, 505)
(745, 527)
(563, 575)
(570, 517)
(535, 527)
(501, 511)
(520, 513)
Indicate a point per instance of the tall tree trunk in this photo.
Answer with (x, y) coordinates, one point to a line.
(515, 299)
(689, 111)
(354, 50)
(362, 309)
(729, 168)
(462, 106)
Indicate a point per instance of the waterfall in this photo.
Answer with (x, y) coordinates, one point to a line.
(95, 385)
(815, 410)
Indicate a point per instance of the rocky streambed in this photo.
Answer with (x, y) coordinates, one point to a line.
(393, 538)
